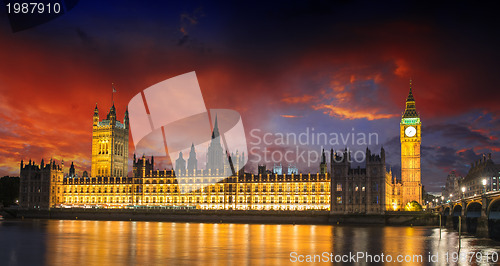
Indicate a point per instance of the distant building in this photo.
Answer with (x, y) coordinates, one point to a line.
(358, 190)
(452, 191)
(483, 169)
(41, 185)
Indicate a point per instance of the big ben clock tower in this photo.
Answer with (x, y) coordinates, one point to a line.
(411, 138)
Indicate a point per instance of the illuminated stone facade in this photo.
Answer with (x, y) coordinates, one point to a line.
(411, 137)
(109, 145)
(203, 191)
(41, 185)
(220, 185)
(358, 190)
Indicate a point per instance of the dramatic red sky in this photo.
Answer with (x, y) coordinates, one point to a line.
(284, 66)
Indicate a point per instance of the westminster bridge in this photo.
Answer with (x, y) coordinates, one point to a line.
(479, 215)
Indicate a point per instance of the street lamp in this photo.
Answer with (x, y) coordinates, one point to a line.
(463, 192)
(484, 185)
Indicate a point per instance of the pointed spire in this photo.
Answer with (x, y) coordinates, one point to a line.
(215, 133)
(112, 113)
(410, 110)
(410, 95)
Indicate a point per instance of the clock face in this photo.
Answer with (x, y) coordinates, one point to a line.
(410, 131)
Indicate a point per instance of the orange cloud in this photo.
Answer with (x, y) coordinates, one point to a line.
(346, 113)
(298, 99)
(291, 116)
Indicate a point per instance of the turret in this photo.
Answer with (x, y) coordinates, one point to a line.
(96, 116)
(112, 115)
(382, 154)
(72, 170)
(125, 119)
(322, 165)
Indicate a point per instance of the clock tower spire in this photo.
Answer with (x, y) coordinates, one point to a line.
(411, 138)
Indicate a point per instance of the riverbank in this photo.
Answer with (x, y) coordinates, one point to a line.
(233, 216)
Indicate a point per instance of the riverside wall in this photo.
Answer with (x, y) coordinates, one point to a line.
(260, 217)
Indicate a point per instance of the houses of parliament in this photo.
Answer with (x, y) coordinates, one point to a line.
(223, 184)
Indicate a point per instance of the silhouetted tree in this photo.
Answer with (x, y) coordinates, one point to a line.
(9, 190)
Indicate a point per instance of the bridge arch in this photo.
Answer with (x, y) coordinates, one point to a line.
(493, 213)
(472, 214)
(445, 214)
(492, 202)
(456, 213)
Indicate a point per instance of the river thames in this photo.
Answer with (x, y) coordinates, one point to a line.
(75, 242)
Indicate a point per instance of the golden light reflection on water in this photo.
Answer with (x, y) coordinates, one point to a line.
(153, 243)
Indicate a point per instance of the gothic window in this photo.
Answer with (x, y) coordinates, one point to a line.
(339, 187)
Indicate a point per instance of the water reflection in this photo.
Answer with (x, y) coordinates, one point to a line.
(68, 242)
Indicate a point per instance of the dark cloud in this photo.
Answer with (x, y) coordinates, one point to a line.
(264, 60)
(85, 38)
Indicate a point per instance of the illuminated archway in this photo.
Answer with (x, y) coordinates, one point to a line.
(494, 219)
